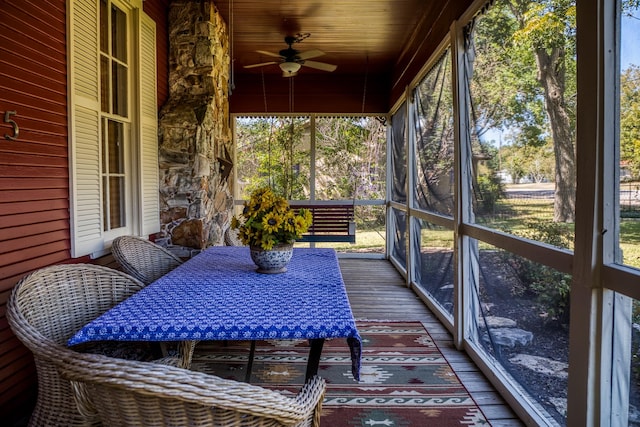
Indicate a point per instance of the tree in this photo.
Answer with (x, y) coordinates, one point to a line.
(275, 152)
(271, 152)
(532, 161)
(350, 158)
(524, 79)
(630, 119)
(549, 28)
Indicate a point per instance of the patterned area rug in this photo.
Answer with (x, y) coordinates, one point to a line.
(405, 381)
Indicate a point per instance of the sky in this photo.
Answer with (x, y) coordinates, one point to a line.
(629, 36)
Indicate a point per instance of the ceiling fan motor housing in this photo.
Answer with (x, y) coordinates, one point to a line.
(289, 54)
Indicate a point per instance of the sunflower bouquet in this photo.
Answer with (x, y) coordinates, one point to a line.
(267, 220)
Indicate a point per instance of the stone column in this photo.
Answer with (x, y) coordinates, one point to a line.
(195, 140)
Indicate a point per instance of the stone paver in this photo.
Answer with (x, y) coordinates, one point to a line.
(508, 337)
(493, 322)
(542, 365)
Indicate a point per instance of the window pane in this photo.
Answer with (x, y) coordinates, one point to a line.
(105, 84)
(116, 147)
(522, 110)
(350, 158)
(104, 27)
(103, 146)
(399, 156)
(522, 312)
(629, 182)
(434, 262)
(399, 228)
(113, 170)
(116, 202)
(120, 89)
(370, 229)
(119, 34)
(105, 203)
(433, 123)
(275, 152)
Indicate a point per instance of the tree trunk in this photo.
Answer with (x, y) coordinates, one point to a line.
(551, 75)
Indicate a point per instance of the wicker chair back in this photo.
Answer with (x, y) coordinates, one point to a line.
(130, 393)
(44, 310)
(144, 260)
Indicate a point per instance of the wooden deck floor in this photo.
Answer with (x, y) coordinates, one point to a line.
(377, 291)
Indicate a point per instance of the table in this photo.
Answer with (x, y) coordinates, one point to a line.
(218, 295)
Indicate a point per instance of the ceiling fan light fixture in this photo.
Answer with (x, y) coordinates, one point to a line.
(290, 67)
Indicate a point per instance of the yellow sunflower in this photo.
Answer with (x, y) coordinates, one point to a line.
(271, 222)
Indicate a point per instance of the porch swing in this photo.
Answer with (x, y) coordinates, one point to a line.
(331, 222)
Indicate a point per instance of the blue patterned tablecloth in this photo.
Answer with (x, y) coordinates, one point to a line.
(218, 295)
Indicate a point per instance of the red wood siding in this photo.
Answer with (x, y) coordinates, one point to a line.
(158, 11)
(34, 174)
(311, 93)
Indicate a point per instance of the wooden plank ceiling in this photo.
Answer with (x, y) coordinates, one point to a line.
(377, 46)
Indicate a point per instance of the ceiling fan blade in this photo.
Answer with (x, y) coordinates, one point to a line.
(319, 65)
(314, 53)
(264, 52)
(260, 65)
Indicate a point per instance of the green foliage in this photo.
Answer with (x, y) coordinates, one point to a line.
(350, 158)
(549, 287)
(276, 152)
(504, 88)
(533, 161)
(489, 191)
(524, 81)
(272, 153)
(548, 24)
(630, 119)
(630, 6)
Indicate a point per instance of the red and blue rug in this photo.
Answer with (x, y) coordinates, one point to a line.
(404, 381)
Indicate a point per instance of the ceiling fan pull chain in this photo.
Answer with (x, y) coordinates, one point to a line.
(366, 76)
(264, 92)
(291, 98)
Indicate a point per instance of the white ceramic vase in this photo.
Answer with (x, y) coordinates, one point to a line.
(272, 261)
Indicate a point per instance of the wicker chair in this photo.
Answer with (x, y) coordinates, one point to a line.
(231, 238)
(44, 310)
(143, 259)
(127, 393)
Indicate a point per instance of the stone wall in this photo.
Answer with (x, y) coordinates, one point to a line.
(196, 196)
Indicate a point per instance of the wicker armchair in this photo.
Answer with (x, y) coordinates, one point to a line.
(143, 259)
(44, 310)
(231, 238)
(128, 393)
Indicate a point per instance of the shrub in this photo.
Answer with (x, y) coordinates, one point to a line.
(549, 287)
(489, 191)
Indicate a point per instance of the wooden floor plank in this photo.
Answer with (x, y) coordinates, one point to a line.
(378, 292)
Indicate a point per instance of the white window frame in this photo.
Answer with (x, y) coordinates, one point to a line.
(127, 123)
(87, 235)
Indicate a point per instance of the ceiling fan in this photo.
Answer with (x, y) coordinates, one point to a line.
(291, 60)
